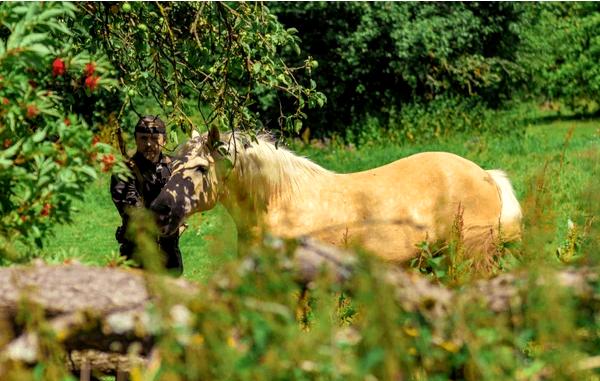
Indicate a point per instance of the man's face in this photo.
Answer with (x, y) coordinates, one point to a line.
(149, 145)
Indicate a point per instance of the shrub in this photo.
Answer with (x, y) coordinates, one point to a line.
(48, 110)
(434, 120)
(374, 59)
(561, 49)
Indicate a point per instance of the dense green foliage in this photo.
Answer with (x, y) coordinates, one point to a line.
(382, 65)
(562, 50)
(376, 58)
(210, 60)
(47, 87)
(69, 72)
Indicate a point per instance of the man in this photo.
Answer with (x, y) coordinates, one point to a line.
(149, 173)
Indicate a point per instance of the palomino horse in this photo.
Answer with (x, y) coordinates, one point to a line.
(388, 210)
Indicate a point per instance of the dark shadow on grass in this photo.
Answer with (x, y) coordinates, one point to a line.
(561, 117)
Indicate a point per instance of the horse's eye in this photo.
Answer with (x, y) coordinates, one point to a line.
(202, 169)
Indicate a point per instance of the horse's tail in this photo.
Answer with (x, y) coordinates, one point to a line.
(511, 214)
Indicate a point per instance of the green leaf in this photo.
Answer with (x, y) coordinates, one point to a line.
(52, 13)
(43, 181)
(11, 121)
(20, 10)
(321, 100)
(36, 233)
(11, 151)
(38, 371)
(88, 171)
(5, 163)
(61, 28)
(173, 136)
(32, 39)
(297, 125)
(39, 136)
(40, 49)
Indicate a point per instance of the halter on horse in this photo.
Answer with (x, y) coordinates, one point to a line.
(388, 210)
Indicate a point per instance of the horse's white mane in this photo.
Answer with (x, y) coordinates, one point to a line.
(268, 171)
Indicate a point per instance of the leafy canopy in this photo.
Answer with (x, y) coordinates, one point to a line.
(70, 75)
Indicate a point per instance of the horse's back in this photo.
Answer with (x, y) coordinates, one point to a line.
(432, 192)
(435, 179)
(392, 208)
(442, 185)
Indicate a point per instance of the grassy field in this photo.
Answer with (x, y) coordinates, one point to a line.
(566, 152)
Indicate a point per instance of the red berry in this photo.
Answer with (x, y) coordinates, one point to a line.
(7, 143)
(23, 218)
(46, 210)
(95, 140)
(32, 111)
(91, 82)
(108, 161)
(90, 68)
(5, 101)
(58, 67)
(67, 121)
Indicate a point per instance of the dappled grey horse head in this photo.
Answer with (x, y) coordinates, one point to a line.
(193, 185)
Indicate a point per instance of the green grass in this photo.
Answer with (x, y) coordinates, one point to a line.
(211, 240)
(90, 238)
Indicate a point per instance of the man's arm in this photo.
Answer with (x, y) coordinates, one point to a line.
(124, 194)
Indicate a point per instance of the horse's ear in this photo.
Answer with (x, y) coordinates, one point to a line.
(214, 137)
(195, 134)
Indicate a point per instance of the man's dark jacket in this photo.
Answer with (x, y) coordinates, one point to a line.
(139, 190)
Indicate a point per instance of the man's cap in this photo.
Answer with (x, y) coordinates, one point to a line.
(150, 124)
